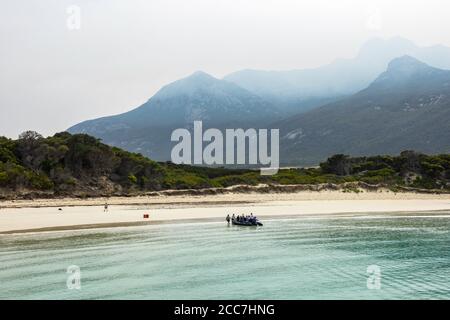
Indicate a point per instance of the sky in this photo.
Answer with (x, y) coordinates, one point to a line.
(63, 62)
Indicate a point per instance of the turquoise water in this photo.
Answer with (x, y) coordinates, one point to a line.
(300, 258)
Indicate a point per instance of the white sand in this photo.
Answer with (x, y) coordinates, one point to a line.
(223, 198)
(129, 211)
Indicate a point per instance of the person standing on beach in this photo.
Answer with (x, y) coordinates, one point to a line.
(106, 207)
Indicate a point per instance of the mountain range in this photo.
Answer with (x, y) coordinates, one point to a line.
(295, 91)
(406, 108)
(147, 129)
(383, 101)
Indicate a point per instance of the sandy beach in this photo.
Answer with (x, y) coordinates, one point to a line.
(45, 215)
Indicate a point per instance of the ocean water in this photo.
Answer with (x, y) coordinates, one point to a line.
(291, 258)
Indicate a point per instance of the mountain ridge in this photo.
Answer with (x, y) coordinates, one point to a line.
(222, 104)
(406, 107)
(198, 97)
(301, 90)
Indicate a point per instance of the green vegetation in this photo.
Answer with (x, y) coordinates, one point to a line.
(68, 164)
(408, 169)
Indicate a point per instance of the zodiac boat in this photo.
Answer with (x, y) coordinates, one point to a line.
(247, 222)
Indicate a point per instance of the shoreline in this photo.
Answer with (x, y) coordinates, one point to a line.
(234, 195)
(25, 216)
(31, 200)
(200, 220)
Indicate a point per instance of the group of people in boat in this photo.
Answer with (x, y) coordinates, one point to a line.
(242, 218)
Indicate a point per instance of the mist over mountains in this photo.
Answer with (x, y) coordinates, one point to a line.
(406, 108)
(392, 96)
(147, 129)
(301, 90)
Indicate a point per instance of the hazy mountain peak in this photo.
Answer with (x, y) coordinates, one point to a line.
(406, 63)
(199, 96)
(200, 75)
(300, 90)
(395, 46)
(199, 80)
(405, 108)
(403, 70)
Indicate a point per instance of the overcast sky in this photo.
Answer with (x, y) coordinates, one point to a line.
(56, 72)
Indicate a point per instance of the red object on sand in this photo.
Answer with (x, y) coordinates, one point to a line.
(146, 215)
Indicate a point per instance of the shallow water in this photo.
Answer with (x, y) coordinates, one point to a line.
(295, 258)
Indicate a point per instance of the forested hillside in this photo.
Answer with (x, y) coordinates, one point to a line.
(80, 165)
